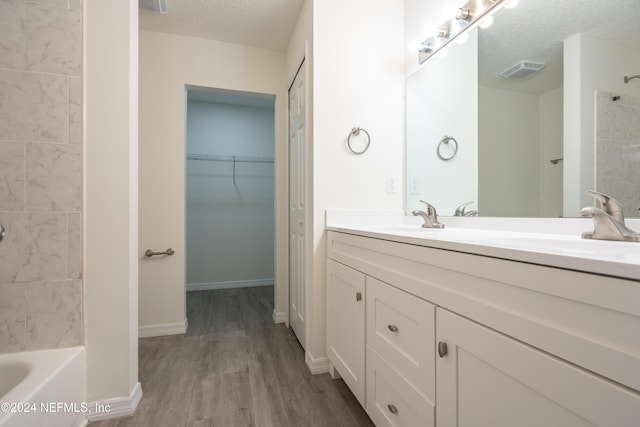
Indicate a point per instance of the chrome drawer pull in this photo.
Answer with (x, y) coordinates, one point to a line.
(393, 328)
(442, 349)
(392, 409)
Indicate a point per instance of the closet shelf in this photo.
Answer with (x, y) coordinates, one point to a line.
(233, 159)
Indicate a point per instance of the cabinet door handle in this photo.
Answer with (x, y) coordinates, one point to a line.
(358, 296)
(392, 409)
(442, 349)
(393, 328)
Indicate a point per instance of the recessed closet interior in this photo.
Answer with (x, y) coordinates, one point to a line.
(230, 214)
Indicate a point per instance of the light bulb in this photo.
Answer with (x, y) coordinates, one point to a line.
(450, 11)
(431, 30)
(414, 45)
(511, 4)
(462, 38)
(486, 22)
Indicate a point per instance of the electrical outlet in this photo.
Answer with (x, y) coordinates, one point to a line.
(414, 185)
(392, 184)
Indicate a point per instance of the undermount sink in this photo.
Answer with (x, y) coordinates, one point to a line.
(555, 242)
(558, 244)
(405, 228)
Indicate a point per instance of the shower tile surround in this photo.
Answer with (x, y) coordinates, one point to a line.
(40, 174)
(618, 149)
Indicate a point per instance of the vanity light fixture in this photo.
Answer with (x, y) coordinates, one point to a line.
(464, 14)
(425, 48)
(459, 22)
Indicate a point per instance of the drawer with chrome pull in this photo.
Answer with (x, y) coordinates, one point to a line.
(391, 400)
(401, 329)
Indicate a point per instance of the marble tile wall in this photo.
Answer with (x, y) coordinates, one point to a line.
(40, 174)
(618, 149)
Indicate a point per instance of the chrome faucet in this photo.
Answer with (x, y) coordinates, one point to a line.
(430, 217)
(460, 210)
(608, 221)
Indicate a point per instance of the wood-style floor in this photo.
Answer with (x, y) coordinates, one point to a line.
(235, 367)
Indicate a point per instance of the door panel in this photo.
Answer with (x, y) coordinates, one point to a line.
(345, 325)
(297, 141)
(488, 379)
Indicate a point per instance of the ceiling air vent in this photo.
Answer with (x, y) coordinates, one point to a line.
(522, 69)
(153, 5)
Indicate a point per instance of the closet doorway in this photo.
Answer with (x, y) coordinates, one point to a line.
(230, 189)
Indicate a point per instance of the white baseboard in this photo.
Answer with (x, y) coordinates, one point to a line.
(279, 316)
(317, 365)
(163, 329)
(229, 284)
(116, 407)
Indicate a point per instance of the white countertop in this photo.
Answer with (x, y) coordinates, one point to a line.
(569, 251)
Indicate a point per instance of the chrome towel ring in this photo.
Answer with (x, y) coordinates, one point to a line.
(355, 132)
(444, 143)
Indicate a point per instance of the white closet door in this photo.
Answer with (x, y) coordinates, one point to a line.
(297, 286)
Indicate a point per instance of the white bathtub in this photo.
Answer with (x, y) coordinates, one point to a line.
(43, 388)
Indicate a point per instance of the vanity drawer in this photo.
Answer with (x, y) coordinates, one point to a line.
(401, 328)
(392, 400)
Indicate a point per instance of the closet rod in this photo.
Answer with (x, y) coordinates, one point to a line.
(234, 159)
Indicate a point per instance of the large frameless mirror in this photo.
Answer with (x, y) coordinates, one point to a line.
(539, 109)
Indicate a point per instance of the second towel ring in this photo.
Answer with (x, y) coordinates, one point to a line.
(445, 141)
(355, 132)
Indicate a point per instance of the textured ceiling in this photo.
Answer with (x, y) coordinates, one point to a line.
(535, 30)
(265, 24)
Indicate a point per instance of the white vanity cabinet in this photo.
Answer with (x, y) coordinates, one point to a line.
(394, 340)
(526, 345)
(400, 380)
(345, 326)
(486, 379)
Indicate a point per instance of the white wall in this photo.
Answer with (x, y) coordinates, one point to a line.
(168, 63)
(526, 130)
(509, 153)
(551, 125)
(358, 80)
(590, 64)
(442, 99)
(111, 198)
(229, 225)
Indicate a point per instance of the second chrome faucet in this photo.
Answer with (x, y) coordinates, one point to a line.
(430, 216)
(608, 221)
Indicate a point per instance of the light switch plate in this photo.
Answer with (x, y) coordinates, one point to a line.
(392, 184)
(414, 187)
